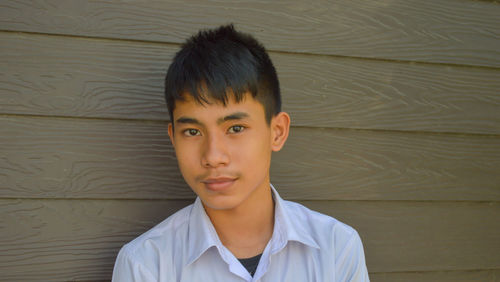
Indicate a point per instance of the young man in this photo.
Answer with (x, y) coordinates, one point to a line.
(224, 102)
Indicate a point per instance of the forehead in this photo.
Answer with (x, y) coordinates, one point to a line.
(190, 107)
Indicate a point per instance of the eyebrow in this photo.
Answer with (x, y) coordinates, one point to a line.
(233, 116)
(188, 120)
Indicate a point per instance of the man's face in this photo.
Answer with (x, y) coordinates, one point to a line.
(224, 152)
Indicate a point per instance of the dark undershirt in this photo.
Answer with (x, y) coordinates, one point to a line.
(251, 263)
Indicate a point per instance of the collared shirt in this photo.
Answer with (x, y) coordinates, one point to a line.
(305, 246)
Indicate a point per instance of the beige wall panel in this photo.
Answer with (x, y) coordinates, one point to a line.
(87, 158)
(61, 240)
(441, 276)
(64, 76)
(445, 31)
(91, 158)
(53, 75)
(49, 240)
(365, 94)
(366, 165)
(422, 236)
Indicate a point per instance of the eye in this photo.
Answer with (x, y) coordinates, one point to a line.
(191, 132)
(236, 129)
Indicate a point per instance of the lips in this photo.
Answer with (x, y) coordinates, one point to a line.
(218, 183)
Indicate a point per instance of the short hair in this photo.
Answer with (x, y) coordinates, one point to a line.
(221, 63)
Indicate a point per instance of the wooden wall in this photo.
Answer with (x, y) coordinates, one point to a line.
(396, 128)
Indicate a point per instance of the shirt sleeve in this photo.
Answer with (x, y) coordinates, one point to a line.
(350, 265)
(127, 269)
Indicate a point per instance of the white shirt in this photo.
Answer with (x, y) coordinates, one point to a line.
(305, 246)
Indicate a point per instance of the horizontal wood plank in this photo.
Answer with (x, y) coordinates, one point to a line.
(63, 240)
(362, 94)
(422, 236)
(51, 75)
(51, 157)
(365, 165)
(79, 239)
(438, 276)
(89, 158)
(444, 31)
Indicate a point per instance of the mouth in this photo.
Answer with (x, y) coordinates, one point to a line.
(218, 183)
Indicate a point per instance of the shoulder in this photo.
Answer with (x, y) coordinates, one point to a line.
(165, 237)
(338, 243)
(327, 231)
(139, 260)
(316, 219)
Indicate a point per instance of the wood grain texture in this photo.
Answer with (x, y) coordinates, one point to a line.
(52, 75)
(89, 158)
(62, 240)
(422, 236)
(444, 31)
(439, 276)
(64, 158)
(349, 93)
(365, 165)
(79, 239)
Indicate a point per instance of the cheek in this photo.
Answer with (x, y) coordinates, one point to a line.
(252, 155)
(186, 159)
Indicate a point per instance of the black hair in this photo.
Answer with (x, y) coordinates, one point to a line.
(222, 63)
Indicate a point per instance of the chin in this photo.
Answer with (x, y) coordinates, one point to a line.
(219, 204)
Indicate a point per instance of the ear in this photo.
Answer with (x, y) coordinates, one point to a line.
(280, 127)
(171, 133)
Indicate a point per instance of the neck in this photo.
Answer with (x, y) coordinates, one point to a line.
(246, 229)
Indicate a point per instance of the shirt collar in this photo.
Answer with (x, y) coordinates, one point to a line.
(202, 234)
(287, 227)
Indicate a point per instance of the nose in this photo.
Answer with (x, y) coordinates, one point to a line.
(215, 152)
